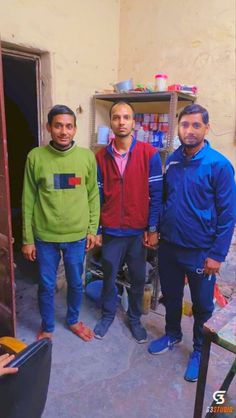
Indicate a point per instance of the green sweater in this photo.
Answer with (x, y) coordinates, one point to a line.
(60, 195)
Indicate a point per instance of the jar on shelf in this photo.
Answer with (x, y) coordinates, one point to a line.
(161, 82)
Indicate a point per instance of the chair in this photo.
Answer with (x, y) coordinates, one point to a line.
(24, 394)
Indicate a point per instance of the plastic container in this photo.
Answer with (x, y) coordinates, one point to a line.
(103, 134)
(124, 86)
(147, 298)
(94, 290)
(161, 82)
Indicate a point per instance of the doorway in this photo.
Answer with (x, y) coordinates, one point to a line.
(22, 109)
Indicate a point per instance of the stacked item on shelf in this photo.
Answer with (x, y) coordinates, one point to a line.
(152, 128)
(183, 88)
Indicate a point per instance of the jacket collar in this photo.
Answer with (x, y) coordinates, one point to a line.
(109, 147)
(199, 155)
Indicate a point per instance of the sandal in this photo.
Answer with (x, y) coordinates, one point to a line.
(79, 329)
(43, 334)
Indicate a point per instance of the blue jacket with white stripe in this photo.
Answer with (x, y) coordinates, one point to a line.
(199, 209)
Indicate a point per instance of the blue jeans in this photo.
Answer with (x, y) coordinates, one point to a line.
(48, 256)
(116, 250)
(174, 263)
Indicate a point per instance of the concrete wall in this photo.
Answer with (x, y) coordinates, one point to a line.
(78, 41)
(194, 43)
(86, 45)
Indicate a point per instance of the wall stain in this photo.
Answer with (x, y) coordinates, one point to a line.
(196, 43)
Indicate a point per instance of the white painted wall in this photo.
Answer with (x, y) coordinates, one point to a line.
(92, 43)
(194, 43)
(82, 41)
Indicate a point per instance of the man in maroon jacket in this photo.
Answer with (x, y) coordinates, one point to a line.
(130, 185)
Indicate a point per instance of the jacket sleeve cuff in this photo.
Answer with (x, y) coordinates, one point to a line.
(99, 230)
(152, 228)
(216, 257)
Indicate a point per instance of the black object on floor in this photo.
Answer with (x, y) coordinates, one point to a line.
(24, 394)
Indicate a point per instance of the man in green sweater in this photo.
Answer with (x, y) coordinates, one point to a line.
(60, 216)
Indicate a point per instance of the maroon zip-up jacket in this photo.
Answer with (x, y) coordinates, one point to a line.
(125, 200)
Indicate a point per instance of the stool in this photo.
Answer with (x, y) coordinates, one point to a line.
(219, 329)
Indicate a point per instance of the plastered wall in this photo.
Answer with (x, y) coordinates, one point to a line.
(78, 41)
(194, 43)
(86, 45)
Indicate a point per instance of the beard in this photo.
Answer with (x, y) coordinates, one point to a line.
(194, 142)
(122, 135)
(192, 145)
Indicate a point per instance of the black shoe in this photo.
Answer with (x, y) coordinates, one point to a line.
(139, 333)
(102, 327)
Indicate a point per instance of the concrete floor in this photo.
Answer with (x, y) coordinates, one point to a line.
(116, 377)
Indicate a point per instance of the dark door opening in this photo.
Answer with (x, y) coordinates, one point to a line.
(22, 126)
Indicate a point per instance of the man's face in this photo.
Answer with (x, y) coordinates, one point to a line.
(122, 120)
(192, 131)
(62, 130)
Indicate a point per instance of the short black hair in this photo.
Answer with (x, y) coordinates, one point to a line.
(121, 102)
(193, 109)
(60, 110)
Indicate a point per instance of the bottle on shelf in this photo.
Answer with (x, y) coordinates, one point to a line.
(140, 134)
(176, 142)
(146, 134)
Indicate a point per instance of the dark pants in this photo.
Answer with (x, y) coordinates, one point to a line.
(174, 263)
(116, 250)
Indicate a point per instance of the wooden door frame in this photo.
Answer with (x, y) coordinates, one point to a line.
(6, 235)
(37, 59)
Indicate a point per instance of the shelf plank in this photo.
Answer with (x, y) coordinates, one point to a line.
(145, 97)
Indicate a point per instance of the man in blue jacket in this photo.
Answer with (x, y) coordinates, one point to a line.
(197, 222)
(130, 185)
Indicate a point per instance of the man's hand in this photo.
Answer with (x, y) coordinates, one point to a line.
(4, 360)
(98, 241)
(90, 242)
(211, 266)
(150, 239)
(29, 252)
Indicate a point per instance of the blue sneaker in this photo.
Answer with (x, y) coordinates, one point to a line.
(102, 327)
(163, 344)
(192, 371)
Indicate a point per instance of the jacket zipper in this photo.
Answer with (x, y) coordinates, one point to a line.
(122, 187)
(122, 191)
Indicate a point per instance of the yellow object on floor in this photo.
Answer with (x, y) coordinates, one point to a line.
(12, 345)
(187, 308)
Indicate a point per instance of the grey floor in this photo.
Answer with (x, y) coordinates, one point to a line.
(116, 377)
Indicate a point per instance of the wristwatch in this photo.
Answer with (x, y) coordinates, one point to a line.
(152, 229)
